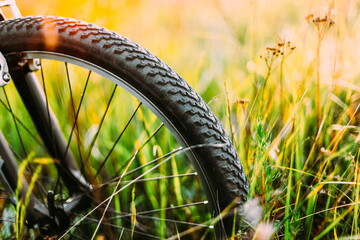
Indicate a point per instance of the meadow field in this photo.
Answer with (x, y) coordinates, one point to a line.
(283, 77)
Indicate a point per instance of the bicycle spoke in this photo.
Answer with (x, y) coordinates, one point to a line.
(151, 136)
(117, 140)
(78, 237)
(77, 114)
(163, 177)
(187, 232)
(47, 106)
(125, 229)
(73, 109)
(121, 214)
(160, 163)
(141, 215)
(49, 119)
(81, 231)
(16, 126)
(122, 231)
(111, 197)
(22, 143)
(141, 147)
(142, 166)
(115, 179)
(115, 193)
(175, 221)
(100, 125)
(26, 129)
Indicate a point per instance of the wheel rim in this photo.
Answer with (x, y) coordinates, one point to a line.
(137, 224)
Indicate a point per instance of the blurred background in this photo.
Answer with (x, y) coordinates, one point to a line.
(209, 42)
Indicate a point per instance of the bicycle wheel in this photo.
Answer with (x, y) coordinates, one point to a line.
(152, 140)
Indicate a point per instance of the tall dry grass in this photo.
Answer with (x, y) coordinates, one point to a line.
(283, 77)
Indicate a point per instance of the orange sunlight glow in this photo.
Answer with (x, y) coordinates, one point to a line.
(51, 37)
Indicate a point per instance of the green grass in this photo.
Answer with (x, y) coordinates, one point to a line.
(142, 138)
(293, 117)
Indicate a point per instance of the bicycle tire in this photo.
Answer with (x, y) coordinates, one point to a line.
(156, 84)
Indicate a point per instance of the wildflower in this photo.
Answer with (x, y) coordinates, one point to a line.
(321, 23)
(282, 48)
(309, 18)
(252, 211)
(263, 231)
(241, 101)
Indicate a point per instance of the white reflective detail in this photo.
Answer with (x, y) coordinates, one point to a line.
(4, 71)
(13, 7)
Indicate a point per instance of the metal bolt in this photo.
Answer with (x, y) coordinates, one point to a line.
(6, 77)
(37, 62)
(34, 64)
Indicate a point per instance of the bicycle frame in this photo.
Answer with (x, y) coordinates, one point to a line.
(22, 73)
(13, 8)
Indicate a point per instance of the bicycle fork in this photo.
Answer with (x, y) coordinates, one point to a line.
(47, 126)
(50, 218)
(9, 179)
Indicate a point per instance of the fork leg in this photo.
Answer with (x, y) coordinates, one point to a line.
(9, 170)
(36, 211)
(48, 128)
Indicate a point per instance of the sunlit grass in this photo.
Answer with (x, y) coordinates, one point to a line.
(142, 138)
(293, 119)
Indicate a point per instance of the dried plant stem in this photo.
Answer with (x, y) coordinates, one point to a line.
(269, 69)
(229, 114)
(330, 92)
(318, 106)
(281, 90)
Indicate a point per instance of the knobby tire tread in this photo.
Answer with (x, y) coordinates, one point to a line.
(147, 73)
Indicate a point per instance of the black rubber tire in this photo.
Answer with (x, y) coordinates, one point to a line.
(220, 170)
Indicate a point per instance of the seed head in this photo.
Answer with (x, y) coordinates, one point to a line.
(252, 211)
(241, 101)
(264, 231)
